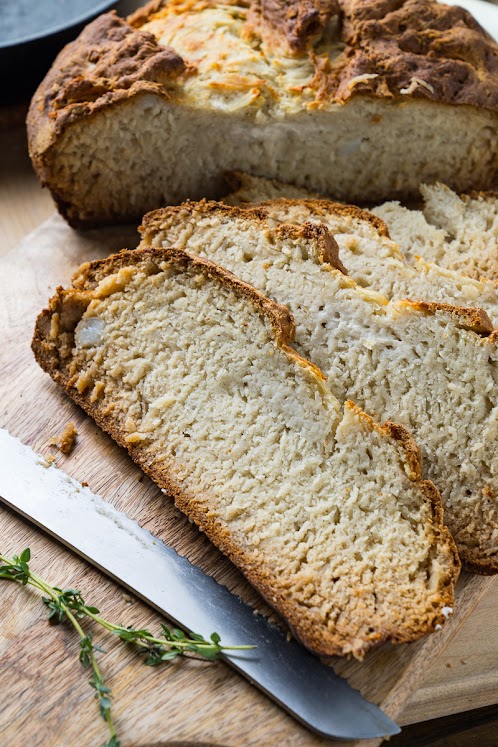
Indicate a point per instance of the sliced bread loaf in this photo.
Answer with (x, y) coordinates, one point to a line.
(432, 367)
(324, 511)
(361, 100)
(457, 232)
(373, 260)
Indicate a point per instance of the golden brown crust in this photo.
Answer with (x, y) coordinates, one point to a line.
(110, 56)
(320, 204)
(412, 452)
(418, 47)
(328, 249)
(144, 14)
(325, 207)
(154, 218)
(294, 25)
(409, 48)
(471, 318)
(109, 62)
(301, 621)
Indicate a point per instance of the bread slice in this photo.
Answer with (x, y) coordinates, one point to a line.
(432, 367)
(324, 511)
(363, 101)
(457, 232)
(372, 259)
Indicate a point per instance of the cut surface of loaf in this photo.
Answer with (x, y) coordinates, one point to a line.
(458, 232)
(368, 253)
(432, 367)
(150, 111)
(248, 189)
(324, 511)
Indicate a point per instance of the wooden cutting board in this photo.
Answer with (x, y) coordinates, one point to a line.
(189, 702)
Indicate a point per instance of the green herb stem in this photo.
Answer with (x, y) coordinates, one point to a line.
(68, 604)
(118, 629)
(102, 692)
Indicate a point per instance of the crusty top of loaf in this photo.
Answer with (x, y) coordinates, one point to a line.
(269, 55)
(104, 63)
(341, 48)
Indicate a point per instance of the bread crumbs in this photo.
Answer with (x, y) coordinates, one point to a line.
(67, 439)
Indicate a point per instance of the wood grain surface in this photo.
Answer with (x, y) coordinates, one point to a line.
(193, 702)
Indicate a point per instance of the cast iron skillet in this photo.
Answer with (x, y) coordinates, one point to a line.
(28, 53)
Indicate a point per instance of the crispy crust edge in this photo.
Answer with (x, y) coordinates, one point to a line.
(240, 180)
(436, 45)
(46, 123)
(328, 249)
(279, 317)
(326, 205)
(471, 318)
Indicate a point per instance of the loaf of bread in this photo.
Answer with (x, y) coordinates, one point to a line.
(430, 366)
(374, 261)
(357, 99)
(458, 232)
(324, 511)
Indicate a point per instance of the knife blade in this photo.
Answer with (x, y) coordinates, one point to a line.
(110, 540)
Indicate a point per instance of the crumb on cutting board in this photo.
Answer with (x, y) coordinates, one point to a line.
(66, 441)
(47, 461)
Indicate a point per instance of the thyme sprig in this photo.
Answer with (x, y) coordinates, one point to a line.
(68, 605)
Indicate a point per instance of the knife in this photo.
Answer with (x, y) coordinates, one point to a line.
(309, 690)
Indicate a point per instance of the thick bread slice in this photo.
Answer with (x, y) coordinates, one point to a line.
(372, 259)
(363, 101)
(457, 232)
(432, 367)
(324, 511)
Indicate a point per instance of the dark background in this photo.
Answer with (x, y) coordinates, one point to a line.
(24, 65)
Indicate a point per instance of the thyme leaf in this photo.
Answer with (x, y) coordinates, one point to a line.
(68, 606)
